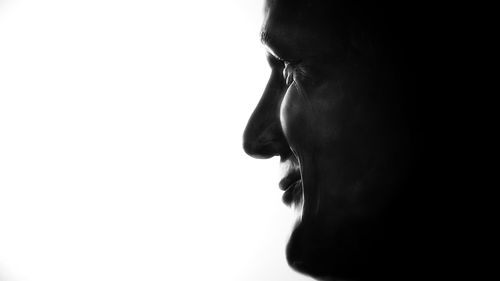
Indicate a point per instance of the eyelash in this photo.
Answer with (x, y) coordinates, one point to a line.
(288, 73)
(293, 72)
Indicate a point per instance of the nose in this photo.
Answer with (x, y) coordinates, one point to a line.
(263, 136)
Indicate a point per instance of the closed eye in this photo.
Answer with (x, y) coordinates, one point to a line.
(291, 70)
(294, 71)
(288, 73)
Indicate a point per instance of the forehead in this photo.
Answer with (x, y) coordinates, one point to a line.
(286, 17)
(298, 28)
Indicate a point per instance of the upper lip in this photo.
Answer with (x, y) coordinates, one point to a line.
(289, 179)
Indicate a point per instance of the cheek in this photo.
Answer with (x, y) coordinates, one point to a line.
(310, 118)
(295, 118)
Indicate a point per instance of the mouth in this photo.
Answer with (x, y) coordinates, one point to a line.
(291, 184)
(293, 194)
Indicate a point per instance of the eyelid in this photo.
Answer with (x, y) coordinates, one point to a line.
(288, 72)
(274, 61)
(295, 71)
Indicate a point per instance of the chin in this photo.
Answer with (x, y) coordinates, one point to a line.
(311, 252)
(360, 250)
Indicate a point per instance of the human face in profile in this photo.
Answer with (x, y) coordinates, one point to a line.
(332, 112)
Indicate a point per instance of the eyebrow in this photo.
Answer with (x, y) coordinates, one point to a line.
(265, 38)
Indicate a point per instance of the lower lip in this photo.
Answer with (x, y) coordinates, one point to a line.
(293, 193)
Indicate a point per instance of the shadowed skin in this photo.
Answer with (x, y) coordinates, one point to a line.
(340, 108)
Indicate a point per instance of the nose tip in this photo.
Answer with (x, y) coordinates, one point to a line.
(264, 143)
(253, 150)
(259, 150)
(255, 144)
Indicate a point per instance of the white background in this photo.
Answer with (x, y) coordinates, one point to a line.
(120, 143)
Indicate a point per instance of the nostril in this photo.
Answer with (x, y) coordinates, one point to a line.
(263, 143)
(260, 150)
(253, 149)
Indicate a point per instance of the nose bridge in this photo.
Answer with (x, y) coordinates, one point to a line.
(263, 136)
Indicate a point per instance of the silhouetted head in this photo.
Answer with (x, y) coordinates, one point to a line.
(339, 111)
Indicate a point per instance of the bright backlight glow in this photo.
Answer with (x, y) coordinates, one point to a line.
(120, 143)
